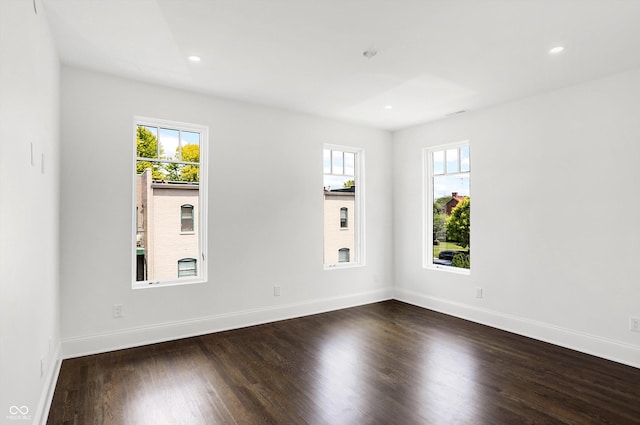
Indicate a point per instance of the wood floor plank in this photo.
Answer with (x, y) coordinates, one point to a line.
(383, 363)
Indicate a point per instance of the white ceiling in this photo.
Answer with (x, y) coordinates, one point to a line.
(434, 57)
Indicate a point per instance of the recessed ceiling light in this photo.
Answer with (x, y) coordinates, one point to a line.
(369, 53)
(194, 58)
(556, 50)
(388, 106)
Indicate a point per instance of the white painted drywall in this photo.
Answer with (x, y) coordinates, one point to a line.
(555, 236)
(29, 222)
(265, 215)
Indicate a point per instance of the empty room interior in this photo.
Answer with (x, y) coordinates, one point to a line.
(253, 212)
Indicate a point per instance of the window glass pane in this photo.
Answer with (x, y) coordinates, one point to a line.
(349, 163)
(153, 130)
(189, 138)
(452, 161)
(146, 142)
(326, 161)
(438, 162)
(337, 162)
(169, 142)
(465, 163)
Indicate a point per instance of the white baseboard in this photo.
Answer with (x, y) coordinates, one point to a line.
(616, 351)
(134, 337)
(42, 411)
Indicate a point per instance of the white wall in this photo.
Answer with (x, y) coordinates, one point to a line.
(265, 216)
(555, 234)
(29, 225)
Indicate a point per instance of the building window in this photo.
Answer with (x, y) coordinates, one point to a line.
(448, 207)
(343, 212)
(344, 218)
(186, 218)
(187, 267)
(169, 176)
(343, 255)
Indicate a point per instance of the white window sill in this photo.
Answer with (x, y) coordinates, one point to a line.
(448, 269)
(342, 266)
(161, 284)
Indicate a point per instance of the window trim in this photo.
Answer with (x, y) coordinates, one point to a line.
(201, 213)
(427, 207)
(358, 222)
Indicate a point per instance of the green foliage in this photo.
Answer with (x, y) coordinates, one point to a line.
(459, 223)
(146, 144)
(190, 153)
(147, 147)
(438, 204)
(462, 261)
(439, 226)
(446, 246)
(349, 183)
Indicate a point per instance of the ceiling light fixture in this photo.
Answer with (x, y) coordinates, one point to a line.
(556, 50)
(388, 106)
(194, 58)
(369, 53)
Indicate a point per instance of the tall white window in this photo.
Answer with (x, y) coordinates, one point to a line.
(170, 203)
(343, 212)
(448, 207)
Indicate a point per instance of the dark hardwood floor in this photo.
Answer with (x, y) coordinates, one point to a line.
(384, 363)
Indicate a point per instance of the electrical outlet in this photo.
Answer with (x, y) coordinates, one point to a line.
(478, 292)
(634, 324)
(117, 311)
(276, 291)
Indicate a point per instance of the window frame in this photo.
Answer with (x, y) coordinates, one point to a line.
(199, 214)
(357, 219)
(428, 200)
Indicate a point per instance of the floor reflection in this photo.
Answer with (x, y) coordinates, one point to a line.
(339, 390)
(447, 385)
